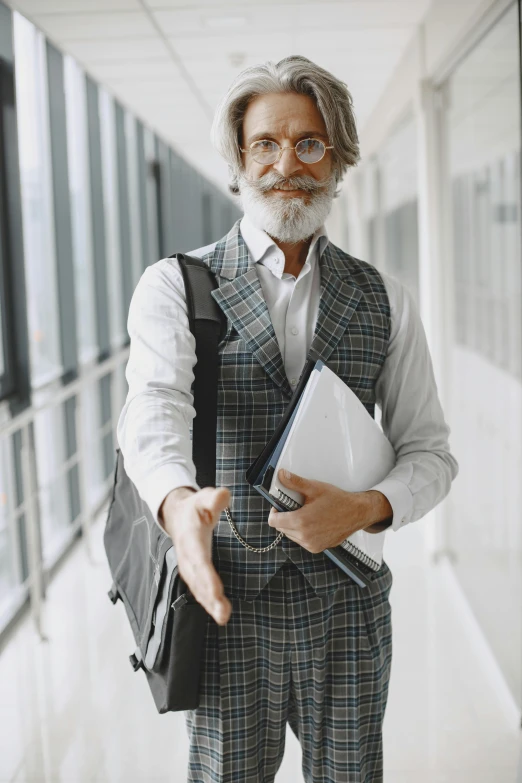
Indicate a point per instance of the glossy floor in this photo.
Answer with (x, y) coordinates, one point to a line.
(72, 710)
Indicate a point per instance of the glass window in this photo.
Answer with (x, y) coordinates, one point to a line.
(106, 424)
(112, 225)
(8, 557)
(2, 345)
(52, 483)
(94, 467)
(152, 217)
(398, 199)
(168, 213)
(5, 381)
(125, 272)
(136, 259)
(367, 192)
(206, 209)
(182, 187)
(216, 229)
(485, 403)
(37, 210)
(79, 186)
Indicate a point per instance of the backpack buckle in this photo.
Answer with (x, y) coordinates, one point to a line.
(113, 594)
(136, 662)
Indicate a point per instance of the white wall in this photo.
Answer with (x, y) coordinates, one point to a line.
(482, 404)
(445, 27)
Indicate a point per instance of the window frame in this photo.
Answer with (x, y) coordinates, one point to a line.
(8, 381)
(7, 377)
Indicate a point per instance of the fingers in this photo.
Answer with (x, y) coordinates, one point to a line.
(195, 559)
(273, 516)
(220, 499)
(208, 590)
(293, 481)
(286, 520)
(211, 502)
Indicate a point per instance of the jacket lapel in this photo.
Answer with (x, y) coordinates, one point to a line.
(240, 296)
(339, 300)
(243, 303)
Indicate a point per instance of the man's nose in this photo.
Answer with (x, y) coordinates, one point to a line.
(288, 164)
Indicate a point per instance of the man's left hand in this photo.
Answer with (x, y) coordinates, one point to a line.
(329, 514)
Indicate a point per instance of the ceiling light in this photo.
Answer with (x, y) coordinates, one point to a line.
(236, 59)
(225, 22)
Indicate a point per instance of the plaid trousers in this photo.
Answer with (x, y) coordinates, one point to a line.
(320, 663)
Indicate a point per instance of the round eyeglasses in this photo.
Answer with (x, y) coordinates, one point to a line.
(307, 150)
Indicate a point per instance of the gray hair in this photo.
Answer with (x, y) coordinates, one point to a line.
(292, 74)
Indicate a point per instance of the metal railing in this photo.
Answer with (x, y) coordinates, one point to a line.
(34, 585)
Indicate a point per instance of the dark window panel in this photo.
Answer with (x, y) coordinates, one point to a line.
(16, 379)
(62, 214)
(146, 243)
(167, 234)
(71, 446)
(206, 209)
(401, 235)
(198, 236)
(7, 379)
(105, 415)
(180, 205)
(21, 530)
(98, 222)
(123, 211)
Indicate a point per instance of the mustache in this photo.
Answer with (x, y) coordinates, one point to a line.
(272, 179)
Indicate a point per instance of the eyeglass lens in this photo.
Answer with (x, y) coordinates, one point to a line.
(307, 150)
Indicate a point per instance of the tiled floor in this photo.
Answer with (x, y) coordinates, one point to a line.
(72, 710)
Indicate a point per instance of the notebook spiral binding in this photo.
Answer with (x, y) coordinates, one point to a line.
(361, 556)
(287, 501)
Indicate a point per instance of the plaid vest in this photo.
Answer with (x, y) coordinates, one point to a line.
(351, 337)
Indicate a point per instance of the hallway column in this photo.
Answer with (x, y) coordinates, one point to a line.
(435, 295)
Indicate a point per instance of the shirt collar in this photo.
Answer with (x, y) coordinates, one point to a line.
(262, 248)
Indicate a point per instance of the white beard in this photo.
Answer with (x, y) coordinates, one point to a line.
(287, 219)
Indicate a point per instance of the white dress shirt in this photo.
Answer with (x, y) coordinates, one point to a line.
(153, 427)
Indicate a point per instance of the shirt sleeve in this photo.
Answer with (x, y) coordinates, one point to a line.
(153, 428)
(412, 416)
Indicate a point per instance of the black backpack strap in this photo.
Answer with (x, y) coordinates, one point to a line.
(208, 325)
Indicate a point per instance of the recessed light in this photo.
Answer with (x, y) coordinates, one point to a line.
(225, 22)
(236, 59)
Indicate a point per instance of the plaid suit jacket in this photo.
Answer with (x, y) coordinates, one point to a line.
(351, 337)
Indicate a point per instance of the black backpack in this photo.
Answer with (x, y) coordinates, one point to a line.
(168, 624)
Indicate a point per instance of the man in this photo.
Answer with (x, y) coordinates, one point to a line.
(295, 639)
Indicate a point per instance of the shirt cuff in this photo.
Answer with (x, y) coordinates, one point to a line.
(399, 498)
(157, 486)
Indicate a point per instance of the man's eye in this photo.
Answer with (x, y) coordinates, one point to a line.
(265, 145)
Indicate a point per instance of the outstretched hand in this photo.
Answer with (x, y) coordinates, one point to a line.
(189, 519)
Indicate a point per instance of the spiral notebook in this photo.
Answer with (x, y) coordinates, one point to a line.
(328, 435)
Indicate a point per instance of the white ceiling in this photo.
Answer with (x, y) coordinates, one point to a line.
(170, 61)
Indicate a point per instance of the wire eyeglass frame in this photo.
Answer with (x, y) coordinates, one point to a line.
(281, 149)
